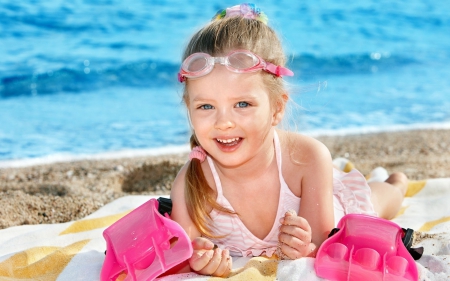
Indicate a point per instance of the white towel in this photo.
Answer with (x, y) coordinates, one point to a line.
(75, 250)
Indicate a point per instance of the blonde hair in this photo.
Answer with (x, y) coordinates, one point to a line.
(217, 38)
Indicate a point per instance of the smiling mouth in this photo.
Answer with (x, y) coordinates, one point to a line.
(229, 142)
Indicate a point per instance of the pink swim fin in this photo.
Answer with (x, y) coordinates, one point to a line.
(144, 244)
(367, 248)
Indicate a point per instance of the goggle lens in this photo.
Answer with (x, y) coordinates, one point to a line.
(196, 63)
(242, 61)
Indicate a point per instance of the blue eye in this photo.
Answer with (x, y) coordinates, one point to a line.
(242, 104)
(206, 106)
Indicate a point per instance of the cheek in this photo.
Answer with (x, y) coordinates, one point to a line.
(260, 123)
(200, 124)
(195, 121)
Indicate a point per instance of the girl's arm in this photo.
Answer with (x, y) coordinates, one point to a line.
(317, 193)
(179, 210)
(206, 259)
(303, 234)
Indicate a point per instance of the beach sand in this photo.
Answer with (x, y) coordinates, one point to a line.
(62, 192)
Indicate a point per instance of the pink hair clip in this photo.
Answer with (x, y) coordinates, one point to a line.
(199, 153)
(245, 10)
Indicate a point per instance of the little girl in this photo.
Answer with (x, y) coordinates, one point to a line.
(240, 193)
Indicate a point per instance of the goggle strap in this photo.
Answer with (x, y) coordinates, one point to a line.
(181, 77)
(278, 70)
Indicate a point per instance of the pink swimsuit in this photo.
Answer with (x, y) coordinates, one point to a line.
(351, 195)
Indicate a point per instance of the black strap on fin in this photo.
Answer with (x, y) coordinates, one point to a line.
(333, 232)
(165, 205)
(408, 235)
(416, 253)
(408, 238)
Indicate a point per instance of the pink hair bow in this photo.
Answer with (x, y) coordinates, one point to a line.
(199, 153)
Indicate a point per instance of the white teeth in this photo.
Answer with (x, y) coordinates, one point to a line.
(228, 140)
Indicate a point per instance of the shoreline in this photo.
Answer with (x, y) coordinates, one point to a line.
(184, 148)
(64, 191)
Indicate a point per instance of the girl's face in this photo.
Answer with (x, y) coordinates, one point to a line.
(231, 115)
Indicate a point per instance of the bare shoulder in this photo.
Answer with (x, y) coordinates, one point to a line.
(303, 157)
(179, 209)
(177, 192)
(302, 149)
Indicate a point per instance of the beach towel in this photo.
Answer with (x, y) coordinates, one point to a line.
(76, 250)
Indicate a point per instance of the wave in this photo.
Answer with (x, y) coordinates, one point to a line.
(74, 18)
(309, 65)
(152, 73)
(138, 74)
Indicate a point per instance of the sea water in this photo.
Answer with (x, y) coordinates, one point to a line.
(85, 79)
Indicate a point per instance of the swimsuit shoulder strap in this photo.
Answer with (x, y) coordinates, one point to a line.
(276, 142)
(215, 175)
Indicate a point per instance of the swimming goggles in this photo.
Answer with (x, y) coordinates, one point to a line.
(238, 61)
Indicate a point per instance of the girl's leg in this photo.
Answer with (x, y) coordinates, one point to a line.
(387, 197)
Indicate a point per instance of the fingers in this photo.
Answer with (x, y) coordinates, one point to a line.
(202, 253)
(289, 219)
(293, 253)
(296, 226)
(295, 243)
(294, 232)
(295, 236)
(201, 243)
(291, 212)
(219, 265)
(225, 266)
(200, 259)
(208, 260)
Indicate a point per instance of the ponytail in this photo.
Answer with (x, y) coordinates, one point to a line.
(200, 197)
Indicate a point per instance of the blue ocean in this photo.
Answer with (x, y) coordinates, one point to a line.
(81, 79)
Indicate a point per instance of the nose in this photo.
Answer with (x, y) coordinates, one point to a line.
(224, 120)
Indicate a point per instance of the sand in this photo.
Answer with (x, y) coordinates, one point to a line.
(61, 192)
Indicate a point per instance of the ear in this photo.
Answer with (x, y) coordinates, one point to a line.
(279, 109)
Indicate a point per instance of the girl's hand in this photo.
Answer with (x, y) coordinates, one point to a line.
(208, 260)
(295, 236)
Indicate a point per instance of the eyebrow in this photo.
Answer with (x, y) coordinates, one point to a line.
(243, 97)
(200, 99)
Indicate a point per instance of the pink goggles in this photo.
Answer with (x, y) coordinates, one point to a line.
(238, 61)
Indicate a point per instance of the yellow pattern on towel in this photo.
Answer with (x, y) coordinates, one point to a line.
(414, 187)
(258, 268)
(39, 263)
(429, 225)
(90, 224)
